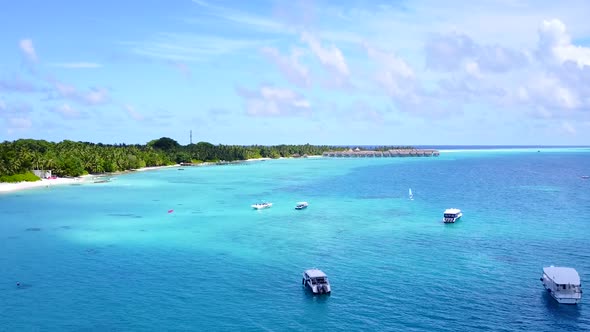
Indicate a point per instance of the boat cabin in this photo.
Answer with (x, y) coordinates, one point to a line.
(301, 205)
(563, 283)
(316, 281)
(261, 205)
(452, 215)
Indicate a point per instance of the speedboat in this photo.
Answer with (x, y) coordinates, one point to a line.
(452, 215)
(301, 205)
(563, 283)
(261, 205)
(316, 281)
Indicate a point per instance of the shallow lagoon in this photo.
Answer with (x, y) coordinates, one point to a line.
(109, 256)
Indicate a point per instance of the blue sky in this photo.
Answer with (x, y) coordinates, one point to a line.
(302, 71)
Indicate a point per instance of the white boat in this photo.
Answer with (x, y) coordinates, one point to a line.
(452, 215)
(563, 283)
(261, 205)
(410, 194)
(301, 205)
(316, 281)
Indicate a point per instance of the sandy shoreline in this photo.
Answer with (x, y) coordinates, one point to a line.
(17, 186)
(151, 168)
(6, 187)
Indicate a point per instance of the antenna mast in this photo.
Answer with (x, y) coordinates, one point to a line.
(191, 137)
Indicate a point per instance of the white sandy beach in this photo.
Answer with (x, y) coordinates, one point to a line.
(17, 186)
(152, 168)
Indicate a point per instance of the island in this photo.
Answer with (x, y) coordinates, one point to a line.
(29, 160)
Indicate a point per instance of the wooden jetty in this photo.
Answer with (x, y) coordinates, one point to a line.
(357, 153)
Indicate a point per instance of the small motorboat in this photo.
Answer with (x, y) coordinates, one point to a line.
(585, 177)
(301, 205)
(261, 205)
(452, 215)
(563, 283)
(316, 281)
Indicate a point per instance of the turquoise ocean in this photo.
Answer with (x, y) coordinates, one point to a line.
(109, 256)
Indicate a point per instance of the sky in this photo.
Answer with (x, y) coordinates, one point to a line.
(422, 72)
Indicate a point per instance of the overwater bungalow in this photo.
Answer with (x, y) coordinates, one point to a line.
(357, 153)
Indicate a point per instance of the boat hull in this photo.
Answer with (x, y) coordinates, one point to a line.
(563, 299)
(261, 206)
(316, 290)
(451, 221)
(301, 205)
(566, 300)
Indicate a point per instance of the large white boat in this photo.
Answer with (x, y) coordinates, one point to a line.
(261, 205)
(563, 283)
(316, 281)
(452, 215)
(301, 205)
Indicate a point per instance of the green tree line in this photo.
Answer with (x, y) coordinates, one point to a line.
(69, 158)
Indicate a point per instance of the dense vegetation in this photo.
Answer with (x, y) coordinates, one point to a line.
(68, 158)
(27, 176)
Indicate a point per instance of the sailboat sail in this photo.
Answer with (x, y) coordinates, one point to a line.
(410, 193)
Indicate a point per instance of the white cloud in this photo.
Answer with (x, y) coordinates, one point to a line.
(393, 74)
(66, 111)
(549, 80)
(260, 23)
(398, 80)
(559, 84)
(551, 92)
(19, 84)
(555, 44)
(133, 113)
(472, 69)
(568, 128)
(330, 56)
(272, 101)
(14, 109)
(26, 46)
(77, 65)
(290, 67)
(95, 96)
(455, 51)
(19, 123)
(192, 47)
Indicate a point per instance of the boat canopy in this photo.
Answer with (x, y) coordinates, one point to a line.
(562, 275)
(452, 211)
(315, 273)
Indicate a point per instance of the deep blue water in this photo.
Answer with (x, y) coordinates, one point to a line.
(108, 257)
